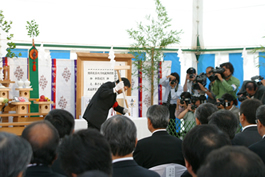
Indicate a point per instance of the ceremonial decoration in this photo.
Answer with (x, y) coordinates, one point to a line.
(33, 75)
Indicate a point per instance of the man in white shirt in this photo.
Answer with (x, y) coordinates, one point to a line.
(172, 94)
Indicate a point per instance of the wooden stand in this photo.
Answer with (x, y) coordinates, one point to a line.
(21, 107)
(4, 92)
(24, 92)
(44, 106)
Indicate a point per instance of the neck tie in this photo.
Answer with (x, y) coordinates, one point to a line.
(169, 98)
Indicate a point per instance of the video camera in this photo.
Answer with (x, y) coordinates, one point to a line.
(173, 81)
(243, 97)
(218, 70)
(221, 102)
(254, 78)
(185, 100)
(193, 100)
(201, 78)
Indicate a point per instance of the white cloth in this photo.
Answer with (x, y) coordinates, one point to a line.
(122, 159)
(175, 94)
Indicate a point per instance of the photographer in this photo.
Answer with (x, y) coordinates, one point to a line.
(226, 83)
(228, 102)
(190, 81)
(252, 89)
(172, 93)
(188, 104)
(211, 96)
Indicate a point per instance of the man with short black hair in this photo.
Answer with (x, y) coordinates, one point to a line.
(104, 99)
(232, 161)
(15, 155)
(64, 123)
(160, 148)
(120, 132)
(249, 134)
(44, 139)
(198, 143)
(62, 120)
(226, 121)
(259, 146)
(203, 112)
(85, 150)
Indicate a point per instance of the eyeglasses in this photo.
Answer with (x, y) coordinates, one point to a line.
(256, 121)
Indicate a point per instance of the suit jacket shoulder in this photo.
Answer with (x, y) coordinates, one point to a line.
(160, 148)
(129, 168)
(258, 148)
(248, 137)
(41, 171)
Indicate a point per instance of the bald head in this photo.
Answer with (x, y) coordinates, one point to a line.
(44, 139)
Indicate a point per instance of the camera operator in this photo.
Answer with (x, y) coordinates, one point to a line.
(211, 96)
(228, 102)
(172, 93)
(188, 104)
(226, 83)
(252, 89)
(190, 81)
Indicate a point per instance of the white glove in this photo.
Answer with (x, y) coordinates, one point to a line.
(119, 86)
(125, 110)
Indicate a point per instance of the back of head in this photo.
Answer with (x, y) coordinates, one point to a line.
(204, 111)
(62, 120)
(15, 154)
(176, 75)
(158, 115)
(249, 107)
(125, 81)
(83, 151)
(232, 161)
(226, 121)
(44, 139)
(120, 132)
(229, 66)
(260, 114)
(200, 141)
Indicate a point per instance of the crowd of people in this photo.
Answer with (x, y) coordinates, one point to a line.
(223, 91)
(212, 145)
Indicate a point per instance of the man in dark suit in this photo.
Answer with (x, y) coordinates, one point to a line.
(259, 147)
(120, 132)
(44, 139)
(247, 118)
(160, 148)
(104, 99)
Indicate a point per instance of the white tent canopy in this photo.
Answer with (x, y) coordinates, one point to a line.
(222, 24)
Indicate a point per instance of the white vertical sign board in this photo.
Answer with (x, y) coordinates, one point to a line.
(98, 72)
